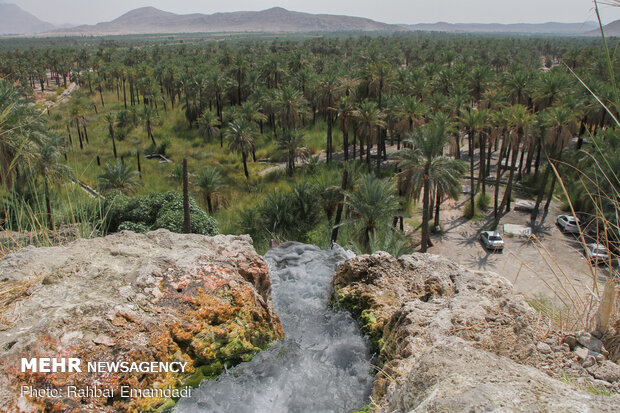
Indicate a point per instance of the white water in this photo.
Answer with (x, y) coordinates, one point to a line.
(323, 365)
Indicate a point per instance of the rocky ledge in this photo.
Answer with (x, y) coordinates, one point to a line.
(159, 297)
(451, 339)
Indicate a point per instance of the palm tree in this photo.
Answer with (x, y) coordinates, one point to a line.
(241, 135)
(519, 121)
(410, 110)
(111, 118)
(425, 168)
(368, 118)
(289, 142)
(149, 116)
(345, 113)
(118, 176)
(50, 168)
(560, 124)
(326, 99)
(374, 202)
(291, 106)
(209, 125)
(210, 182)
(474, 122)
(20, 131)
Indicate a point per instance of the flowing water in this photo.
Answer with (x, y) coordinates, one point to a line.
(323, 364)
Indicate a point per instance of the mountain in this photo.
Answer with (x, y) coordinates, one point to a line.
(566, 29)
(152, 20)
(14, 20)
(611, 29)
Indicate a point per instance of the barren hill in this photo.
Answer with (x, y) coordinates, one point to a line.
(14, 20)
(611, 29)
(277, 19)
(568, 29)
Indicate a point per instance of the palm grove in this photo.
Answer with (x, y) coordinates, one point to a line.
(408, 117)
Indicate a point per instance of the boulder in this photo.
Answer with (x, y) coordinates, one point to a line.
(452, 339)
(158, 297)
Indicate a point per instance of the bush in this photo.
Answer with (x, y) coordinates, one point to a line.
(134, 227)
(153, 211)
(201, 223)
(483, 201)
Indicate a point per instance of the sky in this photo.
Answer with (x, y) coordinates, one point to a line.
(388, 11)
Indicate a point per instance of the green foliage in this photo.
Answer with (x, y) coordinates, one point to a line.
(483, 201)
(118, 176)
(149, 212)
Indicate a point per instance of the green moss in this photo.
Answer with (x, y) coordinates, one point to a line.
(365, 409)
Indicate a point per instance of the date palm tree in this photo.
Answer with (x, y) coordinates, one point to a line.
(290, 141)
(48, 165)
(474, 121)
(209, 182)
(373, 203)
(21, 128)
(240, 135)
(209, 125)
(111, 118)
(368, 118)
(425, 169)
(118, 176)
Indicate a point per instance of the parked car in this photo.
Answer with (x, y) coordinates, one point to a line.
(492, 240)
(568, 223)
(597, 253)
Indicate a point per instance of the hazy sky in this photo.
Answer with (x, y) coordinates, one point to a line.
(389, 11)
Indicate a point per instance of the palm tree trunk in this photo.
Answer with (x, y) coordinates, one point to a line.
(368, 154)
(553, 181)
(513, 166)
(329, 138)
(482, 164)
(437, 206)
(345, 177)
(345, 140)
(425, 215)
(187, 226)
(472, 190)
(48, 204)
(245, 164)
(379, 147)
(541, 193)
(497, 177)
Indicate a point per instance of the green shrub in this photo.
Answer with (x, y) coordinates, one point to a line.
(155, 210)
(201, 223)
(134, 227)
(483, 201)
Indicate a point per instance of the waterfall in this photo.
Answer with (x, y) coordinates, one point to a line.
(323, 364)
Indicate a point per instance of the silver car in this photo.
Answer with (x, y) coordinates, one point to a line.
(568, 223)
(492, 240)
(597, 253)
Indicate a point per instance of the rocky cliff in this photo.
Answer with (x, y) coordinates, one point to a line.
(159, 297)
(451, 340)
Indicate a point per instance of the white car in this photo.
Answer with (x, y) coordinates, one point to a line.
(597, 253)
(492, 240)
(568, 223)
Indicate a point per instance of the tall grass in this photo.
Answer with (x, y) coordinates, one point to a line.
(597, 308)
(76, 213)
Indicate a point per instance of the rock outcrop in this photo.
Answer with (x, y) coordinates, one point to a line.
(452, 339)
(159, 297)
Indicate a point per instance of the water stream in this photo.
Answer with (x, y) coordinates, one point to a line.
(323, 364)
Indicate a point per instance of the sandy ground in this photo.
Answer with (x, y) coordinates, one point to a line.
(552, 262)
